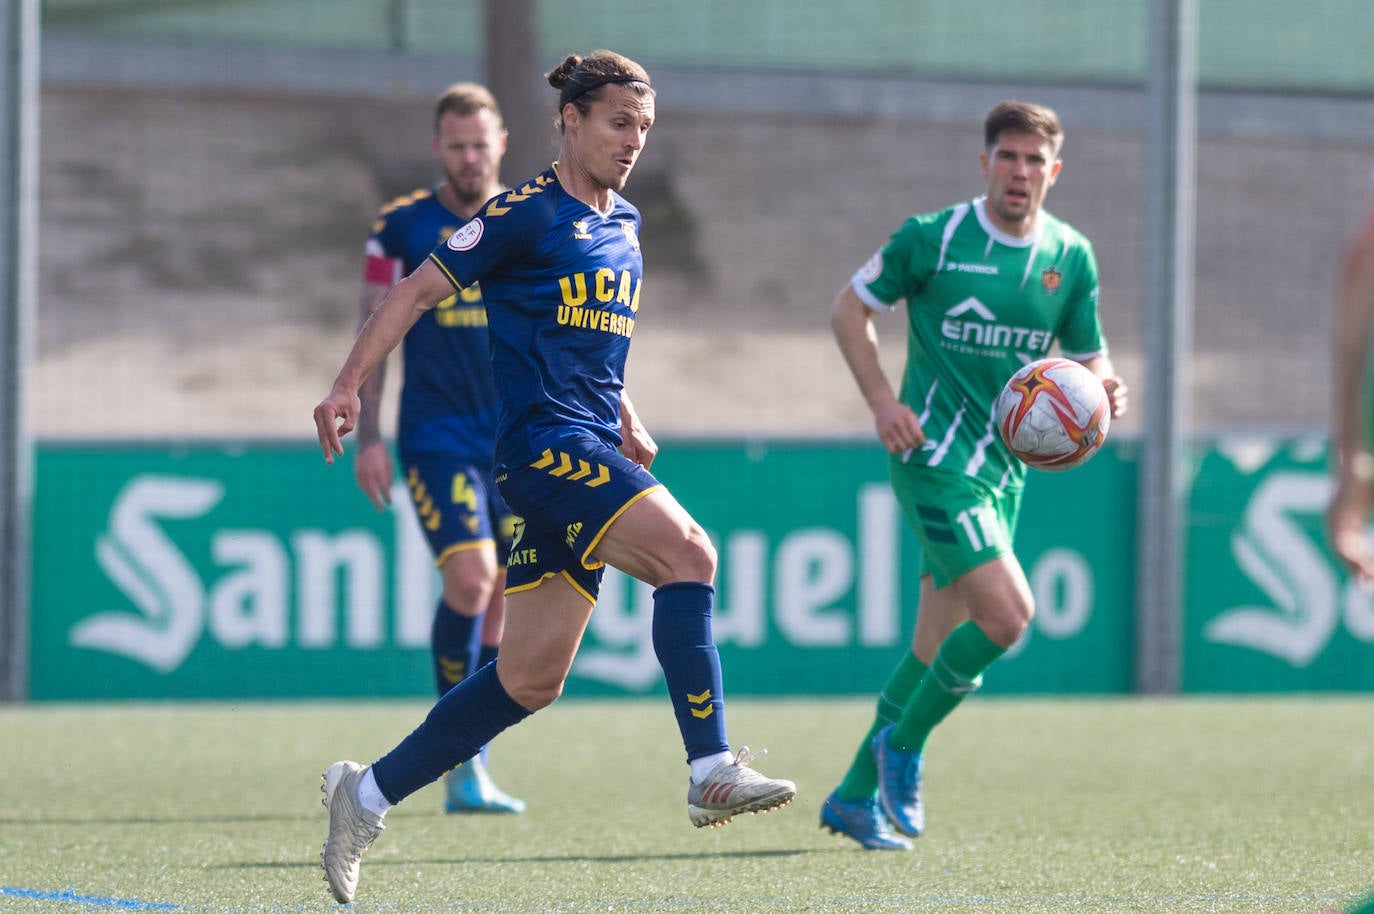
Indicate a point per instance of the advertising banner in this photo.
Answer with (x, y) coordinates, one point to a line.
(1268, 608)
(220, 571)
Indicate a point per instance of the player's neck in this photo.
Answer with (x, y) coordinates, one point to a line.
(467, 208)
(581, 185)
(1013, 228)
(1021, 228)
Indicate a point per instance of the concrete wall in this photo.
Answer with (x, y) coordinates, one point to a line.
(201, 253)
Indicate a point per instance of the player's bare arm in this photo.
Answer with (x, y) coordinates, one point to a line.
(636, 442)
(1354, 317)
(372, 463)
(1117, 390)
(852, 323)
(337, 414)
(1353, 500)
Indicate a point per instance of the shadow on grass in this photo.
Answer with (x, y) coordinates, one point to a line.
(565, 858)
(154, 820)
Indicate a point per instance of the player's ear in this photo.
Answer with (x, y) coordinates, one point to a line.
(1054, 171)
(571, 116)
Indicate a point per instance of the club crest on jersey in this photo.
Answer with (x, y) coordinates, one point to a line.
(1050, 279)
(580, 231)
(466, 238)
(629, 229)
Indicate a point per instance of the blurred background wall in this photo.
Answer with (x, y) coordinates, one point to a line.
(210, 169)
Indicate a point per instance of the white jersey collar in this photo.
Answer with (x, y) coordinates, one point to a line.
(996, 234)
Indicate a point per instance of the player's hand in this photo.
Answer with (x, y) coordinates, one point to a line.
(635, 441)
(638, 444)
(898, 428)
(372, 468)
(335, 416)
(1116, 395)
(1347, 524)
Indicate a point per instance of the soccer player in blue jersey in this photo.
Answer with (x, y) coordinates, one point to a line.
(1352, 388)
(447, 428)
(560, 270)
(989, 285)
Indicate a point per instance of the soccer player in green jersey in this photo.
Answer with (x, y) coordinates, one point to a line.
(990, 284)
(1352, 387)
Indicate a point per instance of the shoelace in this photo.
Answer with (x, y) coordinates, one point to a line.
(745, 758)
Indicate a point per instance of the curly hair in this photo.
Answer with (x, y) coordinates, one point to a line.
(579, 79)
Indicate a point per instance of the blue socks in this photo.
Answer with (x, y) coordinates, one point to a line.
(465, 719)
(691, 665)
(453, 646)
(473, 712)
(487, 654)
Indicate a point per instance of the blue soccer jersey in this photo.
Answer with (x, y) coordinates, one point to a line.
(561, 283)
(448, 398)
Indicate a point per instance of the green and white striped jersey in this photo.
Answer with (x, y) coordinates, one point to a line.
(980, 304)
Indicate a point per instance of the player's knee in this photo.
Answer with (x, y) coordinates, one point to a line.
(671, 555)
(697, 559)
(467, 590)
(533, 690)
(1005, 623)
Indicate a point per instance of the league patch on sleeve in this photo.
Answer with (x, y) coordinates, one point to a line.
(466, 237)
(871, 270)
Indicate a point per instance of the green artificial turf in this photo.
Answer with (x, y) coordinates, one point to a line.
(1179, 805)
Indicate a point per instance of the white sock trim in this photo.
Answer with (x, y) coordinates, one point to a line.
(370, 795)
(705, 765)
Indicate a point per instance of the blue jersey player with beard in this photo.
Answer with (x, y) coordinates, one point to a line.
(446, 433)
(560, 270)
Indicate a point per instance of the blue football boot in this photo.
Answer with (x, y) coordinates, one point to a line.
(899, 784)
(863, 821)
(468, 788)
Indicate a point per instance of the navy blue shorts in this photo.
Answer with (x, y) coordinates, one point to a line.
(566, 499)
(458, 505)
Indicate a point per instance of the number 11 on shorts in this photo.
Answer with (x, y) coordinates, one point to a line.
(980, 528)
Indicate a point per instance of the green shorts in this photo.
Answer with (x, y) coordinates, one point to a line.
(961, 522)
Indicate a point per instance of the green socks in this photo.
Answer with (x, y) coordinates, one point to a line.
(861, 780)
(956, 671)
(915, 699)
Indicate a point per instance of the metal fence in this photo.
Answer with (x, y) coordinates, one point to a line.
(207, 172)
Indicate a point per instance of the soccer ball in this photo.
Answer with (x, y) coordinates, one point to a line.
(1053, 414)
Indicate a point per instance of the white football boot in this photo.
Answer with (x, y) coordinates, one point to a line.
(732, 788)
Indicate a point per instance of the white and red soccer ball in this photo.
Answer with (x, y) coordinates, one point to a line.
(1053, 414)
